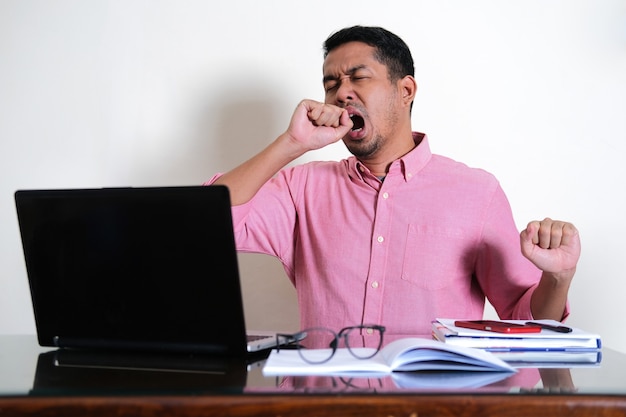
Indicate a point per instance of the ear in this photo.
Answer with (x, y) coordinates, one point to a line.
(408, 89)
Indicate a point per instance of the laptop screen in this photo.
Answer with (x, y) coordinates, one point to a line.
(139, 268)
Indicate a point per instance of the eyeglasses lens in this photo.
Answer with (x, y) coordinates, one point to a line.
(362, 336)
(316, 347)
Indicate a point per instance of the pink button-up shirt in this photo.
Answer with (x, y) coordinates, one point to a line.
(431, 240)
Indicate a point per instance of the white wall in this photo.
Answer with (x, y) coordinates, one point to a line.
(111, 93)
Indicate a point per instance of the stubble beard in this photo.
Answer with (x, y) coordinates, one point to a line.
(365, 150)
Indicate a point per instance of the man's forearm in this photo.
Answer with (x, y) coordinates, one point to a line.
(550, 297)
(245, 180)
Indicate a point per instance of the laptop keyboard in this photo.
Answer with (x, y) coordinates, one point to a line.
(254, 337)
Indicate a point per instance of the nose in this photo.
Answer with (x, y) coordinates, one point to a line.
(344, 92)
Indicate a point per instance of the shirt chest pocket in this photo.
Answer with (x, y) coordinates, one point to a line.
(436, 257)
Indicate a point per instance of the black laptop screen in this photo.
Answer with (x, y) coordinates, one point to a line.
(148, 268)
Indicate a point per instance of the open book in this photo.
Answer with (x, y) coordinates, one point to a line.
(402, 355)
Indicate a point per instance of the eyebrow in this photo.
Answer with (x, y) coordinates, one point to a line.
(350, 72)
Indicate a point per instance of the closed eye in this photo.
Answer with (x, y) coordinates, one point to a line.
(330, 86)
(356, 75)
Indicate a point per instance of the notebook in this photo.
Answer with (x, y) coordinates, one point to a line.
(152, 269)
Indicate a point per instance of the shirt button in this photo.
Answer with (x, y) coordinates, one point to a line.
(369, 331)
(380, 239)
(385, 195)
(375, 284)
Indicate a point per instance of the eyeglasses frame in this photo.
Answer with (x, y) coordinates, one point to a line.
(337, 336)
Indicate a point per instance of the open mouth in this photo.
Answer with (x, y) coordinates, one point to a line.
(357, 122)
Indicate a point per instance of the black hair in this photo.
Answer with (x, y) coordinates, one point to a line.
(391, 51)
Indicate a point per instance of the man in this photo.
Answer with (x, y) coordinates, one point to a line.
(394, 235)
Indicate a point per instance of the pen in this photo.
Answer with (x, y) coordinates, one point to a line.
(560, 329)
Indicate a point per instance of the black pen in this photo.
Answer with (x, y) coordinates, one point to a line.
(560, 329)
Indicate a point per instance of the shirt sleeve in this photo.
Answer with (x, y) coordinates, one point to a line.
(266, 223)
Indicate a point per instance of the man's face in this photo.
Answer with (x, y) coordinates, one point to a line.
(356, 81)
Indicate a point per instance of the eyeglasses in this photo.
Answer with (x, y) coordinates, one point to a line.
(323, 384)
(318, 344)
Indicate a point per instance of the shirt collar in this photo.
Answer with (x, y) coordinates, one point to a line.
(410, 164)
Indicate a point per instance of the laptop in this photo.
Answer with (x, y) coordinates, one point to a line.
(89, 372)
(150, 269)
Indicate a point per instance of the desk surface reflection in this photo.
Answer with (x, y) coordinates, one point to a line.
(31, 376)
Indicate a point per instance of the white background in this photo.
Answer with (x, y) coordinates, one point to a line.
(145, 93)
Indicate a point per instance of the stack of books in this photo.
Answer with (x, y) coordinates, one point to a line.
(547, 348)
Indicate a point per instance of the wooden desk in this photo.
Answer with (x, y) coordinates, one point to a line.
(409, 405)
(29, 385)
